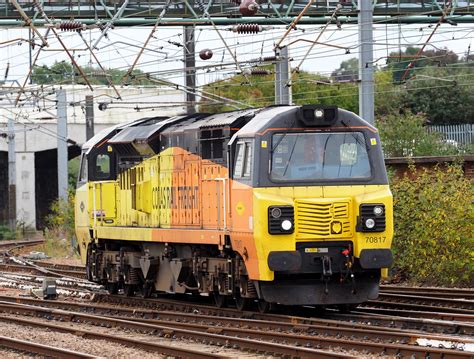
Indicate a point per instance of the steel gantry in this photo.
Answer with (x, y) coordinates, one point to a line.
(225, 12)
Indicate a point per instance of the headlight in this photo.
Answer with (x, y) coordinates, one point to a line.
(371, 217)
(286, 225)
(369, 223)
(281, 219)
(319, 113)
(276, 212)
(378, 211)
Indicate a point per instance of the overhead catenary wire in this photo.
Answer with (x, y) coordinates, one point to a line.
(178, 72)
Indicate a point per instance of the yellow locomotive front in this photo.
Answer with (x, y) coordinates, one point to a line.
(322, 208)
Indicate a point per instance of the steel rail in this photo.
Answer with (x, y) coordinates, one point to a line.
(48, 351)
(232, 335)
(416, 298)
(390, 323)
(28, 268)
(86, 334)
(20, 243)
(352, 330)
(376, 304)
(36, 281)
(10, 267)
(416, 311)
(429, 291)
(453, 324)
(52, 265)
(58, 273)
(202, 336)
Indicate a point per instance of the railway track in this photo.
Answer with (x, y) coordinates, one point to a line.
(463, 305)
(25, 268)
(86, 334)
(303, 316)
(438, 292)
(303, 341)
(286, 324)
(369, 331)
(393, 300)
(210, 337)
(41, 349)
(64, 286)
(8, 247)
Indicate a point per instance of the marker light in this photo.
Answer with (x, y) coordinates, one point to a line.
(378, 211)
(276, 212)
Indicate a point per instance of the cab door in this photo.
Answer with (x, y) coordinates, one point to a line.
(241, 187)
(81, 208)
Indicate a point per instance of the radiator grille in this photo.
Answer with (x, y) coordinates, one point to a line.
(315, 218)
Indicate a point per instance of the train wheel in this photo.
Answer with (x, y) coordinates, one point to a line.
(89, 276)
(112, 287)
(220, 300)
(147, 290)
(242, 303)
(129, 290)
(347, 308)
(264, 306)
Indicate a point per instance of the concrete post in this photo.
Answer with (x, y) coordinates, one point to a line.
(62, 144)
(11, 175)
(89, 117)
(282, 77)
(366, 68)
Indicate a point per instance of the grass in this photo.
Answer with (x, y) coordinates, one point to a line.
(57, 246)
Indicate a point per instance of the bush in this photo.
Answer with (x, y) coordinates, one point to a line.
(405, 135)
(6, 233)
(433, 215)
(59, 232)
(60, 222)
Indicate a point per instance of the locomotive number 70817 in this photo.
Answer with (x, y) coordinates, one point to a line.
(374, 240)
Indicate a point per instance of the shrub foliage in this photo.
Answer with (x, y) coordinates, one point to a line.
(433, 214)
(405, 135)
(60, 222)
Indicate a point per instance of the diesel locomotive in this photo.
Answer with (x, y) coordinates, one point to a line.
(282, 204)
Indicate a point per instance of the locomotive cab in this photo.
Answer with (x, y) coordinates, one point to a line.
(320, 193)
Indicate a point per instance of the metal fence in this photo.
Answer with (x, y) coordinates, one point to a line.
(461, 134)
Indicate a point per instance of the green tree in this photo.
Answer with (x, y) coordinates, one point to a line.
(398, 62)
(405, 135)
(445, 95)
(58, 73)
(64, 73)
(347, 71)
(387, 95)
(306, 87)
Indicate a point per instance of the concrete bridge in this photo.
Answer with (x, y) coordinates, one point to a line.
(35, 136)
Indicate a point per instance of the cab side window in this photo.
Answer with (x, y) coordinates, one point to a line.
(102, 166)
(243, 160)
(83, 173)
